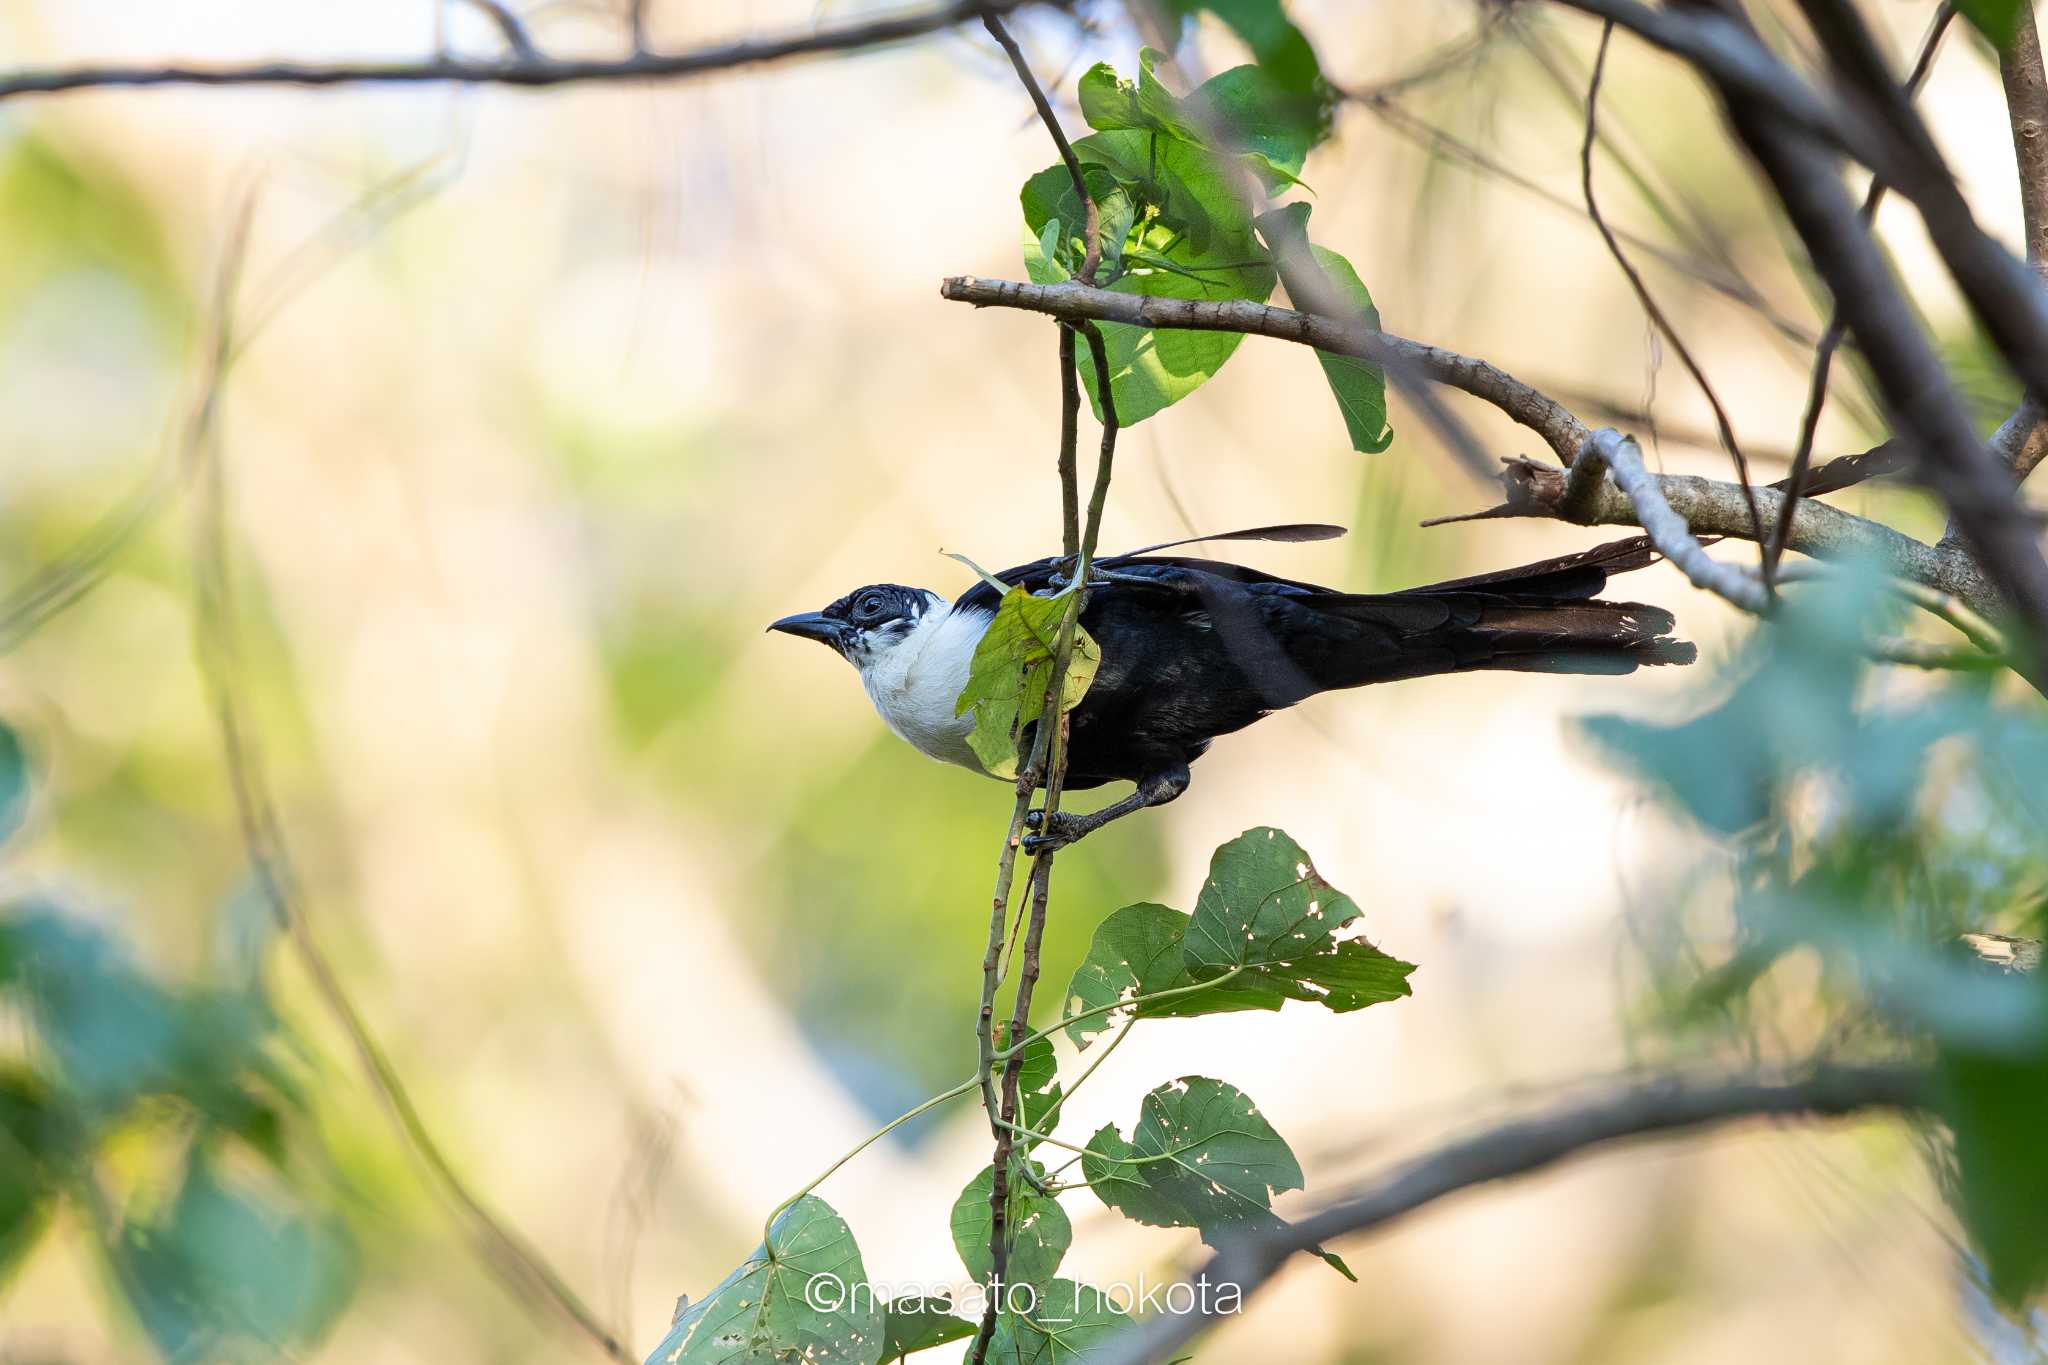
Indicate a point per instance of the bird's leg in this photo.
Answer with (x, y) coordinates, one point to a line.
(1064, 828)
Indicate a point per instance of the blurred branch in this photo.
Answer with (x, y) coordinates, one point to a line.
(1076, 303)
(1831, 339)
(1656, 1109)
(514, 1260)
(525, 68)
(510, 29)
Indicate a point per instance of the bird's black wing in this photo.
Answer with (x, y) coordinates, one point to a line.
(1163, 573)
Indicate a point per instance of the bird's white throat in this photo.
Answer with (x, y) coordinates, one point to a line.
(915, 681)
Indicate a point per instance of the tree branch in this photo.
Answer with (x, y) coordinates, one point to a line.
(1077, 303)
(525, 69)
(2025, 80)
(1513, 1149)
(1608, 451)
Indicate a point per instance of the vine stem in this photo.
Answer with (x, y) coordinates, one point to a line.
(870, 1140)
(1000, 1100)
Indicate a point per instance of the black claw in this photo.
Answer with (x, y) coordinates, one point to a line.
(1033, 819)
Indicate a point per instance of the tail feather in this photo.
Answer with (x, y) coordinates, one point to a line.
(1538, 618)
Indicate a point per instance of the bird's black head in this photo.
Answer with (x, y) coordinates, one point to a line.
(866, 622)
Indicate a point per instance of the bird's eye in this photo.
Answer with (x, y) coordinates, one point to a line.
(870, 606)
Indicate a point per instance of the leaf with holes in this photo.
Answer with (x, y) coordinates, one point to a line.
(1038, 1231)
(1202, 1157)
(1266, 911)
(1063, 1324)
(920, 1323)
(1138, 952)
(1012, 672)
(1038, 1086)
(769, 1309)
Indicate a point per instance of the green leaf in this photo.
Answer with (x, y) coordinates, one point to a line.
(1139, 951)
(114, 1034)
(1038, 1085)
(1997, 20)
(230, 1271)
(1995, 1099)
(801, 1296)
(918, 1324)
(1263, 26)
(1176, 224)
(1201, 1156)
(1794, 709)
(32, 1155)
(1109, 104)
(1258, 914)
(1063, 1324)
(13, 781)
(1012, 672)
(1360, 386)
(1038, 1231)
(1266, 909)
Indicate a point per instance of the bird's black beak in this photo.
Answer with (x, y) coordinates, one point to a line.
(810, 625)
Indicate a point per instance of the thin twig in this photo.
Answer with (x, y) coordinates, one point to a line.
(1050, 758)
(1077, 303)
(525, 1271)
(510, 29)
(994, 24)
(1517, 1148)
(1831, 339)
(524, 73)
(1657, 318)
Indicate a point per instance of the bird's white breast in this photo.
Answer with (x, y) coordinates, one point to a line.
(916, 683)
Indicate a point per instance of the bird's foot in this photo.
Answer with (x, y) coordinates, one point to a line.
(1055, 832)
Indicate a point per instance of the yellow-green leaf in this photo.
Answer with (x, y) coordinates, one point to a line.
(1012, 672)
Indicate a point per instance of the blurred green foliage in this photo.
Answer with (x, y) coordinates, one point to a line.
(172, 1120)
(1872, 833)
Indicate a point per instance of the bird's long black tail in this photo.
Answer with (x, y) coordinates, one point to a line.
(1536, 618)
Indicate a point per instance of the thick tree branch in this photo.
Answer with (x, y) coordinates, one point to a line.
(1712, 507)
(1709, 507)
(1515, 1149)
(525, 69)
(1077, 303)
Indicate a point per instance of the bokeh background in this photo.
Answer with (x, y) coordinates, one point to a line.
(548, 402)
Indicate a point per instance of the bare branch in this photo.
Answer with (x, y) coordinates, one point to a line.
(1608, 451)
(1051, 120)
(1517, 1148)
(1070, 302)
(524, 71)
(1831, 340)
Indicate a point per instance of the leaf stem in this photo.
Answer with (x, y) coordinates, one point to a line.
(870, 1140)
(1131, 1002)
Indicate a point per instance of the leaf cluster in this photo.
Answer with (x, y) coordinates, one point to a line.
(223, 1257)
(1872, 836)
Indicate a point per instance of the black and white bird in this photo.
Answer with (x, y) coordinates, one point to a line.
(1196, 648)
